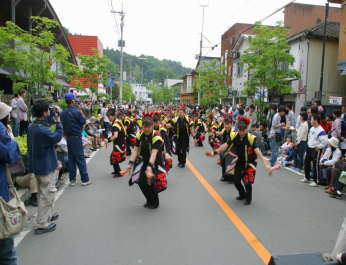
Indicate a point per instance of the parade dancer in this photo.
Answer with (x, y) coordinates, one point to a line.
(148, 150)
(225, 137)
(182, 130)
(244, 146)
(198, 131)
(118, 138)
(130, 128)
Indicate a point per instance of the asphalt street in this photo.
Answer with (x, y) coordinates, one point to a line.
(105, 223)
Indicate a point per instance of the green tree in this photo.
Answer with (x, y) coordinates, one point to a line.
(210, 83)
(268, 61)
(163, 94)
(128, 95)
(94, 70)
(33, 58)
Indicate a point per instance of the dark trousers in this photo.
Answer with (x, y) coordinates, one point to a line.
(8, 254)
(312, 157)
(149, 191)
(182, 148)
(76, 158)
(23, 128)
(245, 191)
(299, 156)
(116, 168)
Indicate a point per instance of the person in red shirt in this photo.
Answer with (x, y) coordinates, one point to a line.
(326, 123)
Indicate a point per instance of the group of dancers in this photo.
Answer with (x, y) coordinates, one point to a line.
(151, 139)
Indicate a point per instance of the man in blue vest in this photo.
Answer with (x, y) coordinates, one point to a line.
(73, 121)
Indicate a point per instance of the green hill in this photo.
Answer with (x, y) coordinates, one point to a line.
(146, 68)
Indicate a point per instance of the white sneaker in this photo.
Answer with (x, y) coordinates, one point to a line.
(313, 184)
(86, 183)
(72, 183)
(305, 180)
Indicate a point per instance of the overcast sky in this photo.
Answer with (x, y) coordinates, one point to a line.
(166, 29)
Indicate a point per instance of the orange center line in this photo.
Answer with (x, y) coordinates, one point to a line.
(250, 237)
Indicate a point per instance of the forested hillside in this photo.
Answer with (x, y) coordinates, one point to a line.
(144, 68)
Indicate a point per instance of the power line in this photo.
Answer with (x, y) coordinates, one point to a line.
(117, 28)
(260, 21)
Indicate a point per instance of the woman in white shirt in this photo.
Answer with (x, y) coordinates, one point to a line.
(301, 143)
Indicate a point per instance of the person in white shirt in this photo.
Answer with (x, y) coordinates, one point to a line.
(301, 142)
(22, 110)
(14, 116)
(329, 159)
(317, 141)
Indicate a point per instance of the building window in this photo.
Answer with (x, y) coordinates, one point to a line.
(240, 68)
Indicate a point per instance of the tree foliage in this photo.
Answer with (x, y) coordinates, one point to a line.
(163, 94)
(94, 70)
(128, 95)
(210, 83)
(268, 61)
(144, 69)
(34, 58)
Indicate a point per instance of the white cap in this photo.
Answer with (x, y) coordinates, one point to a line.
(5, 110)
(334, 142)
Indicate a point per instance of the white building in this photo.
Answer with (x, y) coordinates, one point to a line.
(172, 82)
(306, 48)
(142, 93)
(240, 75)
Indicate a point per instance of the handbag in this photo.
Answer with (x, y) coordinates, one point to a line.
(136, 173)
(230, 162)
(18, 168)
(13, 214)
(160, 180)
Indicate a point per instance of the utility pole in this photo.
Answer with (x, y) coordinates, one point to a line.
(201, 44)
(121, 44)
(323, 51)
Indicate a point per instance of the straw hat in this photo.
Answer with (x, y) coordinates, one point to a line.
(5, 110)
(334, 142)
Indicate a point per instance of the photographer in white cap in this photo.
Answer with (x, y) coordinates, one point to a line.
(9, 154)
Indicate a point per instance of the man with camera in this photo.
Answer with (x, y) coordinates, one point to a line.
(73, 121)
(43, 162)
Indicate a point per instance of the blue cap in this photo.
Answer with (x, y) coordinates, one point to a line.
(69, 96)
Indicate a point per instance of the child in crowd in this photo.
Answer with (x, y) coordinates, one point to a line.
(286, 152)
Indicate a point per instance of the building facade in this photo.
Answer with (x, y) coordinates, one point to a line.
(142, 93)
(86, 45)
(20, 12)
(187, 93)
(306, 48)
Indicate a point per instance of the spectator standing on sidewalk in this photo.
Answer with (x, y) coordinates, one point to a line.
(291, 116)
(336, 126)
(22, 110)
(251, 114)
(14, 116)
(301, 143)
(275, 134)
(9, 154)
(73, 121)
(43, 163)
(317, 140)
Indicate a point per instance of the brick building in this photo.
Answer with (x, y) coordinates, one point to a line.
(86, 45)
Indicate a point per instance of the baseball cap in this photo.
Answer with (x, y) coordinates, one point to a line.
(69, 96)
(5, 110)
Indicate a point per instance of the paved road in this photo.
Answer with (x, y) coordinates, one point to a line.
(105, 223)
